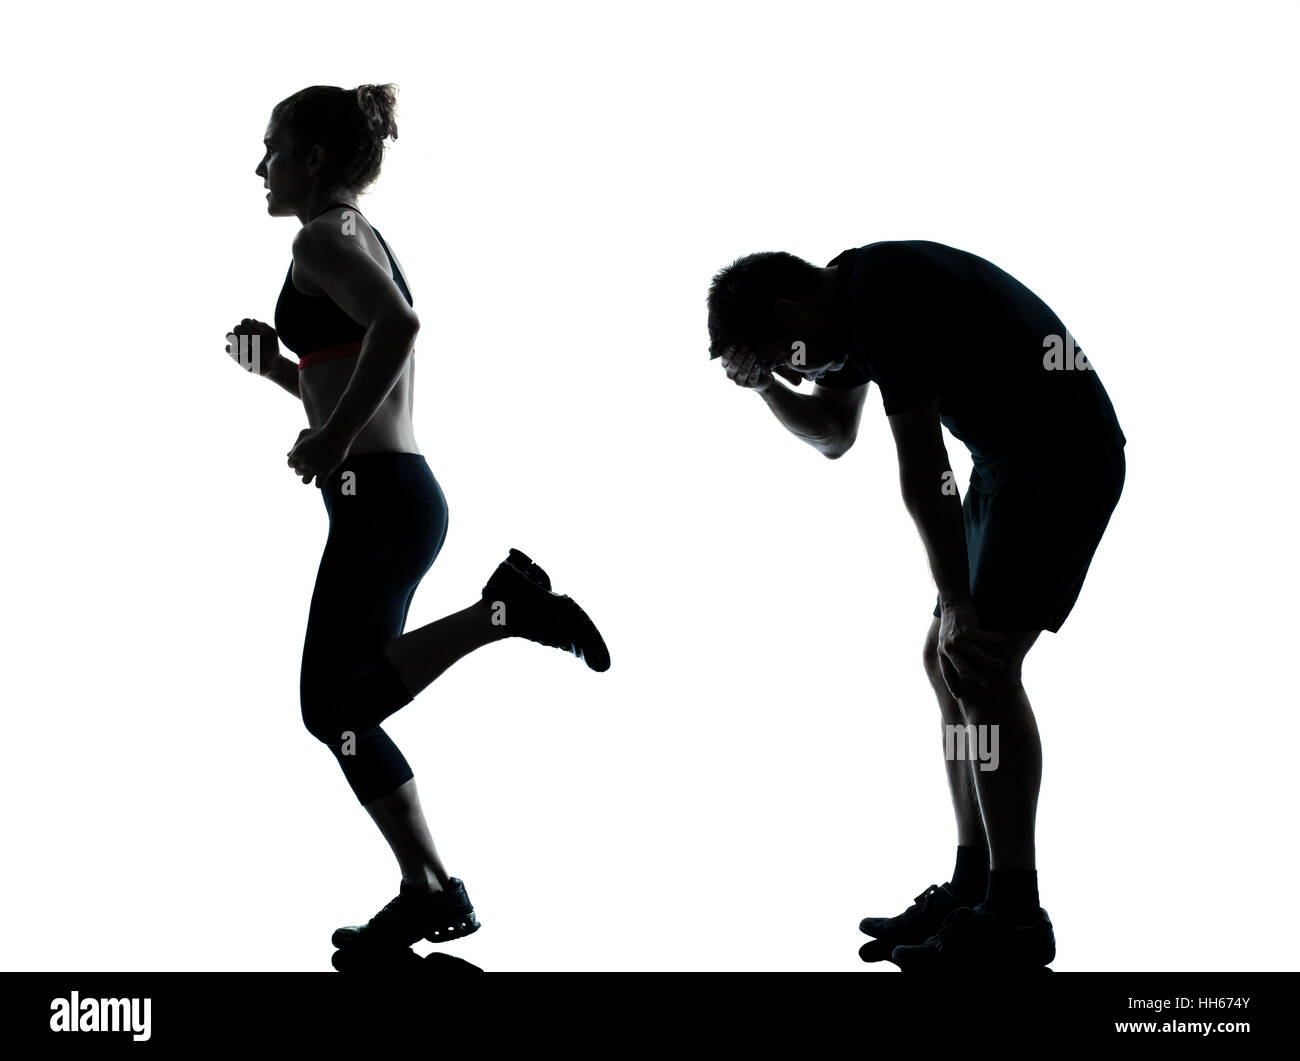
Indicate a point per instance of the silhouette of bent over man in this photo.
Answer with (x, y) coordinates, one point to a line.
(950, 339)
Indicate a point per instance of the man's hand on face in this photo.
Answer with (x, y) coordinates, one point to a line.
(746, 370)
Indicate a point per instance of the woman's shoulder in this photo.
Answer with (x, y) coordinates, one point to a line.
(319, 240)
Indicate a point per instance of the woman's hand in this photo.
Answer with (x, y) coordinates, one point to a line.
(961, 661)
(318, 453)
(257, 357)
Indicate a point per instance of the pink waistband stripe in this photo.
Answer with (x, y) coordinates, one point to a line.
(328, 353)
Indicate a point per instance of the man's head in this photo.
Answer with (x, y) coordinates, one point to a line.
(778, 307)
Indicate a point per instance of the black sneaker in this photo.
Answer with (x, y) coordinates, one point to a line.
(534, 612)
(415, 915)
(916, 924)
(973, 938)
(521, 562)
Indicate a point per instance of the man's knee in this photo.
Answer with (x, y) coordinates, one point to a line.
(984, 703)
(1004, 683)
(930, 657)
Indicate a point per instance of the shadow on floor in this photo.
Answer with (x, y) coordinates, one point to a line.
(404, 962)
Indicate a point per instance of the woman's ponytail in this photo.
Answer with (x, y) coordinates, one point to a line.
(379, 104)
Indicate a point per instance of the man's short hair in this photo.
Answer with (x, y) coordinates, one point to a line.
(743, 295)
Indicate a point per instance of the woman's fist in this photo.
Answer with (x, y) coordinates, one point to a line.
(253, 346)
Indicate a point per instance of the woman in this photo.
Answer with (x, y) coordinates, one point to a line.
(345, 309)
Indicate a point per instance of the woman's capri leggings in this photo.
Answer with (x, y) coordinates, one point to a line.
(388, 520)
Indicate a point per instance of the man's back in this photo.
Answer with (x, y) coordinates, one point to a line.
(921, 318)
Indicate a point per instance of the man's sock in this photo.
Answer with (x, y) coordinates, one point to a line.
(1013, 894)
(970, 877)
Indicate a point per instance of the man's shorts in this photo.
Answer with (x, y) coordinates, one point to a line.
(1032, 527)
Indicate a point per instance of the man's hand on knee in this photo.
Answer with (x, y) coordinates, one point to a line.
(967, 668)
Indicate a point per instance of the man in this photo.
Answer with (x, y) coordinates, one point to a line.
(951, 339)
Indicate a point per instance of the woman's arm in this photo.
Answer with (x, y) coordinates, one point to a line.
(285, 373)
(338, 264)
(383, 356)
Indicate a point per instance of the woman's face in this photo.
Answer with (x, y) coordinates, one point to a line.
(285, 176)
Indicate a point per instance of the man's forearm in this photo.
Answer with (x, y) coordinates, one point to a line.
(384, 351)
(938, 517)
(284, 372)
(805, 418)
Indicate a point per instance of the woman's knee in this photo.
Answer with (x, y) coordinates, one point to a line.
(322, 711)
(321, 721)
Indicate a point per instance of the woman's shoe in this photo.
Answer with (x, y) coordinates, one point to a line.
(532, 611)
(412, 916)
(520, 561)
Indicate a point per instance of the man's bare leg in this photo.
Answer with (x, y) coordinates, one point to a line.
(1008, 929)
(961, 783)
(970, 873)
(1008, 795)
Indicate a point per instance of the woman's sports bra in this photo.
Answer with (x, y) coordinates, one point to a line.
(313, 326)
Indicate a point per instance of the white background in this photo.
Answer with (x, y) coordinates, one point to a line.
(762, 765)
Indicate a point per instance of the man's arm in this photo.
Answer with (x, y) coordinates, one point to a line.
(937, 512)
(826, 419)
(343, 270)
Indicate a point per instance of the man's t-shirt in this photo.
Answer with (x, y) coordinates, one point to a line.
(920, 318)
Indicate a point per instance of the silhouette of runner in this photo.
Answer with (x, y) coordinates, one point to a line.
(951, 339)
(346, 310)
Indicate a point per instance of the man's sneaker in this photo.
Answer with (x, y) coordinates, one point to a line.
(920, 920)
(973, 938)
(415, 915)
(532, 611)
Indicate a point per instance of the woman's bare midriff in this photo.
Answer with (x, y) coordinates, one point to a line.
(389, 430)
(321, 386)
